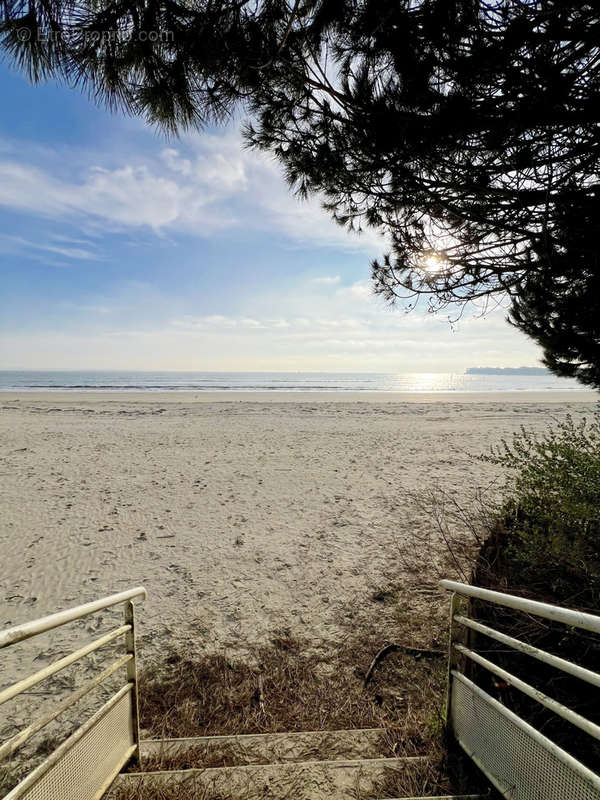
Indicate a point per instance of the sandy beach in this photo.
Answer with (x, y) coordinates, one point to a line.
(242, 515)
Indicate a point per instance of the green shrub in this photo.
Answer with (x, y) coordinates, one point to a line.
(550, 520)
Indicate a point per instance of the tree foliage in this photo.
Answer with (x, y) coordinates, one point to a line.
(467, 131)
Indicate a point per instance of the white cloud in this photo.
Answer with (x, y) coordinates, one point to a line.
(220, 342)
(215, 322)
(360, 290)
(209, 184)
(66, 249)
(327, 280)
(174, 162)
(57, 237)
(220, 172)
(126, 196)
(130, 196)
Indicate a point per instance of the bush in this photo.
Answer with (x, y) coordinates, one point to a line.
(549, 524)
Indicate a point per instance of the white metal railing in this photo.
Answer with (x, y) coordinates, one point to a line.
(575, 619)
(520, 761)
(84, 765)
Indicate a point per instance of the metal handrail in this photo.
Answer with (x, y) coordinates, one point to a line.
(562, 664)
(19, 633)
(535, 694)
(57, 666)
(574, 619)
(466, 718)
(19, 739)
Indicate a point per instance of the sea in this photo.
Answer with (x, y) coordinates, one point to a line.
(108, 381)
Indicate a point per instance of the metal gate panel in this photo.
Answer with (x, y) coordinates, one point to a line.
(521, 762)
(89, 760)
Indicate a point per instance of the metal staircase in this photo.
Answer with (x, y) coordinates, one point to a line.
(520, 762)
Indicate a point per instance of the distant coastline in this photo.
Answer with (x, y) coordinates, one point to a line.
(507, 371)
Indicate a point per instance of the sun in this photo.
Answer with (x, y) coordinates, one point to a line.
(432, 263)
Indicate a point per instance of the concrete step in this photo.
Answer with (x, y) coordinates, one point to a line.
(268, 748)
(307, 780)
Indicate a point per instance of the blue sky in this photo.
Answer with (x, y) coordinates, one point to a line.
(123, 250)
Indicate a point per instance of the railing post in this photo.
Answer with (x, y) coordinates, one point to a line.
(132, 676)
(455, 660)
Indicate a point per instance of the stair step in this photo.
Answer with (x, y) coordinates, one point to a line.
(307, 780)
(268, 748)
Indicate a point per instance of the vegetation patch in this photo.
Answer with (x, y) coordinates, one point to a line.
(287, 686)
(546, 540)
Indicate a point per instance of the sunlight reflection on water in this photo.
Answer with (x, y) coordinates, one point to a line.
(281, 381)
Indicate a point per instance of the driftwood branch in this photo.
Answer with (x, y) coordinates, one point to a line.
(392, 647)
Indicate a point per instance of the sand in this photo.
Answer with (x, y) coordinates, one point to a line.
(242, 515)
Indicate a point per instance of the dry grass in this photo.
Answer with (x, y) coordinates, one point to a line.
(302, 691)
(9, 777)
